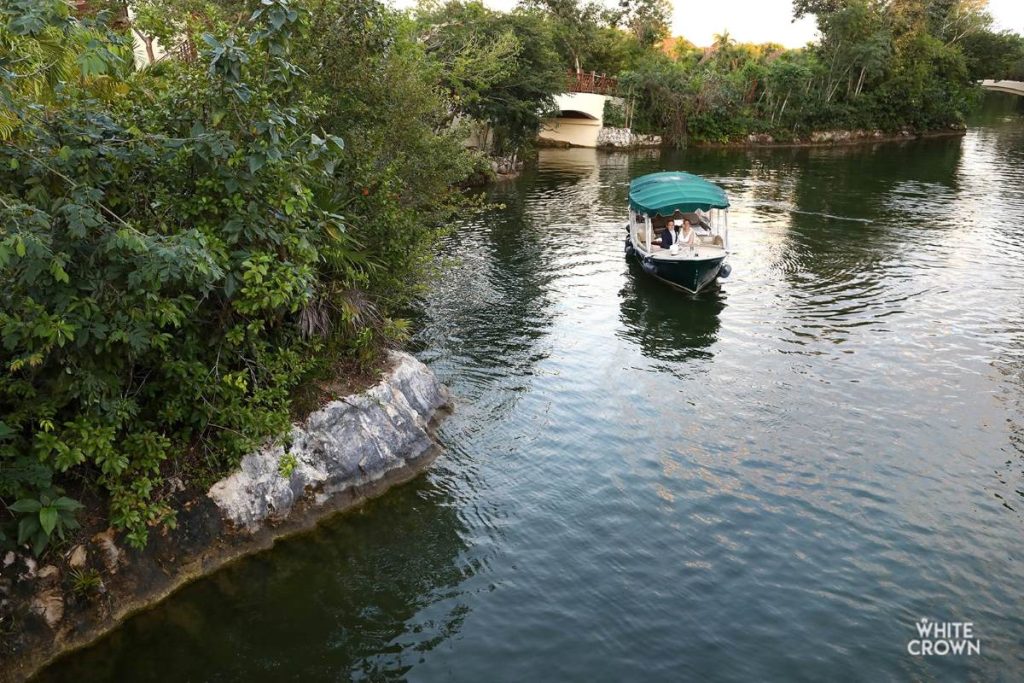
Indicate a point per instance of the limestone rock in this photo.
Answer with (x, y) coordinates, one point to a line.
(49, 574)
(505, 166)
(78, 557)
(112, 555)
(348, 442)
(49, 604)
(624, 138)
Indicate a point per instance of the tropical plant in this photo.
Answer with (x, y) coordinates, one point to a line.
(86, 582)
(40, 517)
(500, 69)
(287, 464)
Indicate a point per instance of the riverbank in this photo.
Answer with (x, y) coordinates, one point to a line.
(350, 450)
(825, 138)
(830, 138)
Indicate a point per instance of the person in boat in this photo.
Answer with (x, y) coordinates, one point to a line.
(667, 237)
(687, 236)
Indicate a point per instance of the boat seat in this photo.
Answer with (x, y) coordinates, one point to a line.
(710, 240)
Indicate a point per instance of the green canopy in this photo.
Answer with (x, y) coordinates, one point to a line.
(670, 191)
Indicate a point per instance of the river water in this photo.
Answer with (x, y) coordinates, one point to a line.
(772, 481)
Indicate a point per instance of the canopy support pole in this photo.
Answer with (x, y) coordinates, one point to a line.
(647, 223)
(727, 229)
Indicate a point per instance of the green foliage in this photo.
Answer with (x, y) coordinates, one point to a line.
(574, 24)
(86, 583)
(182, 246)
(39, 517)
(877, 65)
(647, 20)
(613, 115)
(497, 68)
(995, 55)
(55, 55)
(172, 262)
(287, 465)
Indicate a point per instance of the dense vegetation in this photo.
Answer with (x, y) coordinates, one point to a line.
(183, 245)
(889, 65)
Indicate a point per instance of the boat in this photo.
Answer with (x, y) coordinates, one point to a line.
(655, 201)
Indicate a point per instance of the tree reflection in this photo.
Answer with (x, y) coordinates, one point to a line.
(338, 603)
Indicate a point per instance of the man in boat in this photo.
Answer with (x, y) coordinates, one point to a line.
(667, 237)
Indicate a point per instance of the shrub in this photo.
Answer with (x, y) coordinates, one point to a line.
(155, 257)
(40, 518)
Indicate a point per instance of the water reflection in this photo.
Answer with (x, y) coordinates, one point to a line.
(667, 324)
(339, 603)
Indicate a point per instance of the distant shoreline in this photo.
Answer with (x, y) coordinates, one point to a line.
(836, 138)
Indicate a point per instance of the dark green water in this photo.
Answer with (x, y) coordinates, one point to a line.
(774, 481)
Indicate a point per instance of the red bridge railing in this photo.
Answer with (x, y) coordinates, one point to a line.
(583, 81)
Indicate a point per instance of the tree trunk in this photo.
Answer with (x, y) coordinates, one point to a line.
(782, 110)
(860, 81)
(148, 42)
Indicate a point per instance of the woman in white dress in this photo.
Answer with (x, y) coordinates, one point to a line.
(687, 236)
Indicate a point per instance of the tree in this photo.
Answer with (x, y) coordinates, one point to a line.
(510, 91)
(177, 257)
(575, 24)
(647, 20)
(991, 54)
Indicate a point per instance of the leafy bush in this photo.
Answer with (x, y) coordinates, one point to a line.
(40, 517)
(178, 252)
(614, 115)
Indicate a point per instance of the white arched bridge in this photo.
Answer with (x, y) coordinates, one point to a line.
(1012, 87)
(580, 110)
(580, 118)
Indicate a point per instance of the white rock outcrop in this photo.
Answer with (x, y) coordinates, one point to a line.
(624, 138)
(348, 442)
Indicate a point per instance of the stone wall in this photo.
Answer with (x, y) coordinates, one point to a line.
(624, 138)
(839, 137)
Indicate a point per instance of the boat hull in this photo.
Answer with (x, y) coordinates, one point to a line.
(692, 275)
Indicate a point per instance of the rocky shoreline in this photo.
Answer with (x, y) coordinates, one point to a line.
(350, 450)
(832, 138)
(622, 139)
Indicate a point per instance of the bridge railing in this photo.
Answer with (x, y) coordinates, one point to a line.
(1003, 85)
(591, 82)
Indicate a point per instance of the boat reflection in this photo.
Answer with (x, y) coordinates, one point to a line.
(665, 323)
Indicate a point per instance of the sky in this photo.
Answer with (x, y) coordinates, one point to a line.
(761, 21)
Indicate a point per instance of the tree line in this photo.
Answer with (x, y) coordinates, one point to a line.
(877, 64)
